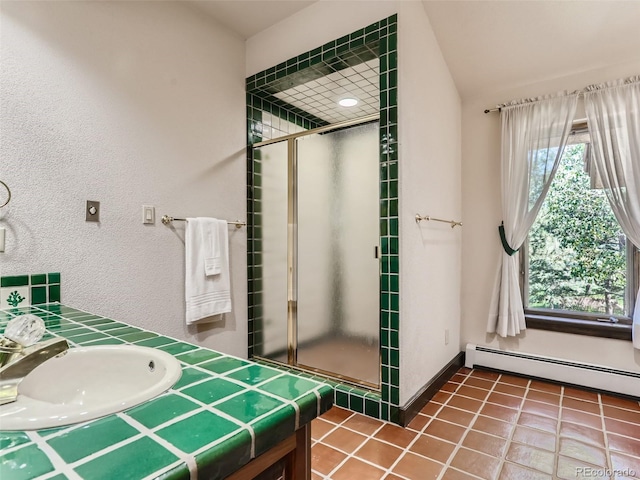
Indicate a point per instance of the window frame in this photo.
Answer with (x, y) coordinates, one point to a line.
(582, 323)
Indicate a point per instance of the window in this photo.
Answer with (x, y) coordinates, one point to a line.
(578, 268)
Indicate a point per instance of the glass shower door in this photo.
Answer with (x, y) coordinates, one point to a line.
(337, 249)
(271, 217)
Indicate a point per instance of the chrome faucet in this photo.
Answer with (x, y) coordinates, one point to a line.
(20, 364)
(20, 354)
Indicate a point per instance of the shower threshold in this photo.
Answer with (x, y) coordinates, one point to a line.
(331, 376)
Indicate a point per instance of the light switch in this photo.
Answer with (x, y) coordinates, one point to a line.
(148, 214)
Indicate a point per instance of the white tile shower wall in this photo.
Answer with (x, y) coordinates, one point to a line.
(127, 103)
(274, 127)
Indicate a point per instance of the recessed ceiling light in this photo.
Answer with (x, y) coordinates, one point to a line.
(348, 102)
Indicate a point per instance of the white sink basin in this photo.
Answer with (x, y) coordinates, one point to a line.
(87, 383)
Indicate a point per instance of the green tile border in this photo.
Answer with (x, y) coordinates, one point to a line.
(382, 34)
(14, 281)
(82, 442)
(128, 462)
(42, 287)
(367, 402)
(265, 103)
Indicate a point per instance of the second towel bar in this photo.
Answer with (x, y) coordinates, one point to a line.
(453, 223)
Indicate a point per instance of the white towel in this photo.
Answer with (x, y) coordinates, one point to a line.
(213, 235)
(206, 249)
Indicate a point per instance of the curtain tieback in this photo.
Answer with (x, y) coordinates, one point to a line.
(507, 248)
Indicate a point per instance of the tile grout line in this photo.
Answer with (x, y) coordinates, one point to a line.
(211, 409)
(62, 430)
(343, 425)
(58, 463)
(556, 459)
(589, 443)
(108, 449)
(514, 424)
(421, 432)
(328, 476)
(183, 457)
(369, 437)
(458, 446)
(529, 388)
(352, 454)
(510, 440)
(605, 434)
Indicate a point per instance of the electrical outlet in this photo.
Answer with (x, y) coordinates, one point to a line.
(446, 336)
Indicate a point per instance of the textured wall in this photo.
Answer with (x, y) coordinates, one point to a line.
(126, 103)
(430, 169)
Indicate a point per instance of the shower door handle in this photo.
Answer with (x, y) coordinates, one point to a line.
(376, 252)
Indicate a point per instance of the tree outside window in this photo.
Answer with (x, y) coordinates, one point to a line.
(577, 251)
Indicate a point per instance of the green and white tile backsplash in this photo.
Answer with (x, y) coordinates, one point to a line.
(25, 290)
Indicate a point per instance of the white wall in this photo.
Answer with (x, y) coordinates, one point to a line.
(429, 126)
(124, 103)
(430, 172)
(482, 213)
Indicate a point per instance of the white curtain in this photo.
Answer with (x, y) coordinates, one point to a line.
(613, 116)
(534, 133)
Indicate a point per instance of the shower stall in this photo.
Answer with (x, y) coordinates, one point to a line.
(318, 210)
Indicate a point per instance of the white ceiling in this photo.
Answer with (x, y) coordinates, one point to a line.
(248, 17)
(492, 44)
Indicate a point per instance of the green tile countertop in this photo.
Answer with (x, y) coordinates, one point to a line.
(221, 413)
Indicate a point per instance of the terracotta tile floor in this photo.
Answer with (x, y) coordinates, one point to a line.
(489, 426)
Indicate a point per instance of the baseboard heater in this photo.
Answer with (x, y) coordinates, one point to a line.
(581, 374)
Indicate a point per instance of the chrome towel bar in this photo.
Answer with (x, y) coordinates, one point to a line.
(453, 223)
(166, 219)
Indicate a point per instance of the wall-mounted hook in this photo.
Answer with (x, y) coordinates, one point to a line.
(8, 192)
